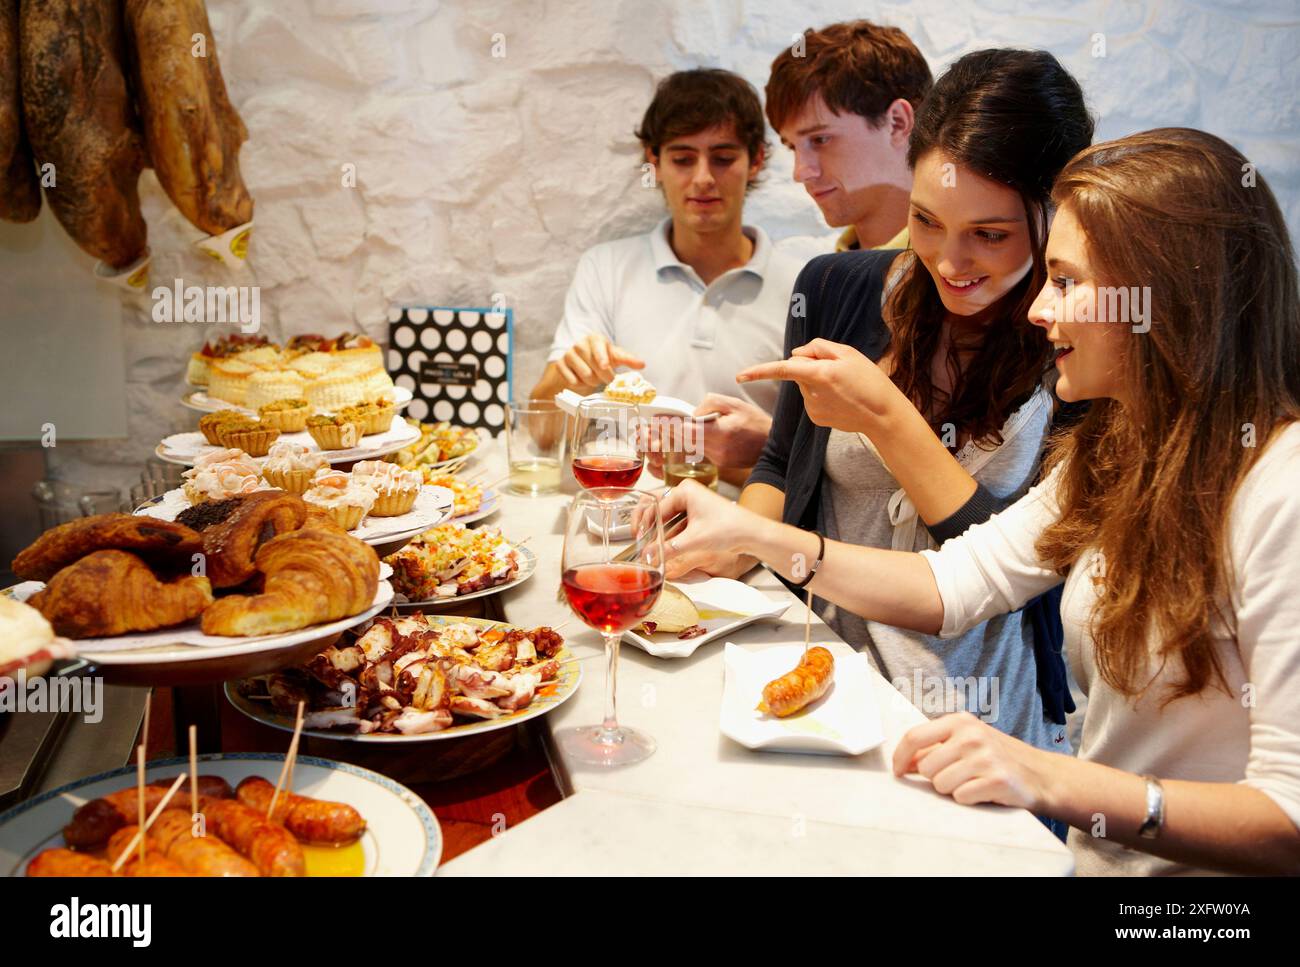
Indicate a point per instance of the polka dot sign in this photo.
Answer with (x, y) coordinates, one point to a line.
(455, 362)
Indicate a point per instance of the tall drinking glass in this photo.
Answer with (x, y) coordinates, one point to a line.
(613, 571)
(535, 441)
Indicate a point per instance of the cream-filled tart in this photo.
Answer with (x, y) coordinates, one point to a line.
(221, 474)
(346, 500)
(630, 387)
(395, 488)
(292, 467)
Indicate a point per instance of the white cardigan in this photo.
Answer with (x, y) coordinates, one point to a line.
(1250, 736)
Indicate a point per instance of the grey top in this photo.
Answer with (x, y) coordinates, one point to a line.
(989, 670)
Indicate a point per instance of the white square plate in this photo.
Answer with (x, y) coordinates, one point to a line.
(724, 606)
(844, 721)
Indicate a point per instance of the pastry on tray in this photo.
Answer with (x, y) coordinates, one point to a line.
(114, 592)
(395, 489)
(200, 363)
(376, 416)
(251, 436)
(229, 380)
(345, 500)
(231, 545)
(310, 576)
(292, 467)
(286, 415)
(336, 432)
(210, 424)
(273, 384)
(159, 540)
(221, 474)
(629, 387)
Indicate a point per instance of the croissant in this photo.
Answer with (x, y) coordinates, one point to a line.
(58, 547)
(311, 576)
(112, 592)
(231, 546)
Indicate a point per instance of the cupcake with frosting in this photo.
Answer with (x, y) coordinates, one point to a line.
(395, 489)
(346, 500)
(221, 474)
(292, 467)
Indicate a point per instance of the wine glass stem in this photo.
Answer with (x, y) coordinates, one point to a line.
(610, 724)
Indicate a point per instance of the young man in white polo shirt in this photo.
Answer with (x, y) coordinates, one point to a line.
(699, 297)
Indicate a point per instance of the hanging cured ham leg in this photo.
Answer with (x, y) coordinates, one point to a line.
(193, 132)
(79, 117)
(20, 195)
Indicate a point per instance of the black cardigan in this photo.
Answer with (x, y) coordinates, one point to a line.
(838, 297)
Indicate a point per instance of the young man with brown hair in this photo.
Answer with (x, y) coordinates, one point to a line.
(702, 295)
(843, 99)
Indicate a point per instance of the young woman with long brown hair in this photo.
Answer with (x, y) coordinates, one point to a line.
(1170, 514)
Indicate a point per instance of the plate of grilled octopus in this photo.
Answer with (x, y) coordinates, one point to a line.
(417, 678)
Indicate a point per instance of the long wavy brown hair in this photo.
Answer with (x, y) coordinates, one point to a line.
(1015, 117)
(1150, 483)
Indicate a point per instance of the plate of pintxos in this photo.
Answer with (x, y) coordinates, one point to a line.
(452, 563)
(336, 819)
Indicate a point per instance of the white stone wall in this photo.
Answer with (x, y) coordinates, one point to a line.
(479, 174)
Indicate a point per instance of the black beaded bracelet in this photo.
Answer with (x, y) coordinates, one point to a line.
(821, 552)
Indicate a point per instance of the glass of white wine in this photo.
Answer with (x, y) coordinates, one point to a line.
(535, 441)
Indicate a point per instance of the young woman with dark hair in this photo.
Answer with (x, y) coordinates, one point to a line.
(948, 423)
(1169, 515)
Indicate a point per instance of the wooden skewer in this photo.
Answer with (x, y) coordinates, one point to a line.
(288, 763)
(807, 622)
(495, 483)
(139, 789)
(144, 826)
(194, 771)
(148, 707)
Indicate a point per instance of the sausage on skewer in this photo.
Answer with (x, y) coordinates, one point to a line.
(94, 822)
(310, 820)
(803, 686)
(270, 846)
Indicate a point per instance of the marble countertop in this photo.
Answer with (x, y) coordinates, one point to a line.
(703, 804)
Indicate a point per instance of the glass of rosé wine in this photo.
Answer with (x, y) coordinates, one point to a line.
(612, 573)
(603, 446)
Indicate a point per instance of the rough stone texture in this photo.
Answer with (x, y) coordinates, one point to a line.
(478, 175)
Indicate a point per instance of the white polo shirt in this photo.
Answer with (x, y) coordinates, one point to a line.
(693, 337)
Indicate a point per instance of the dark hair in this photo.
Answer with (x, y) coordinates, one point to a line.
(689, 102)
(1015, 117)
(1150, 484)
(857, 67)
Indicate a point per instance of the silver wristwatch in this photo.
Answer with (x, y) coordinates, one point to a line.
(1155, 818)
